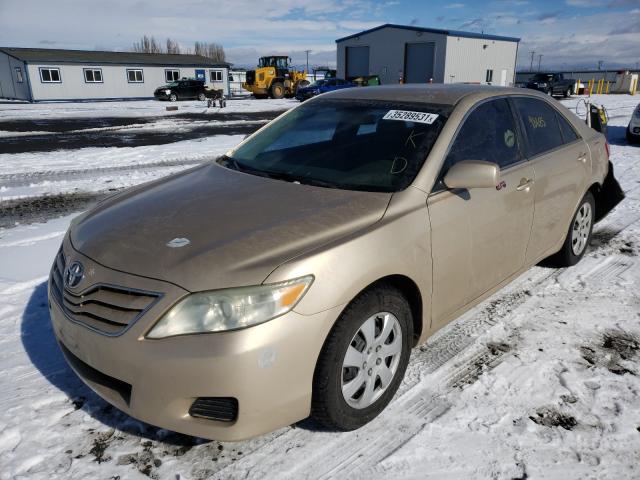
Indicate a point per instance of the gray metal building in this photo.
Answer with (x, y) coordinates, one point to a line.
(420, 55)
(37, 74)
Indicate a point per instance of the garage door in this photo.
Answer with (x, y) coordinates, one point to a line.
(419, 58)
(357, 62)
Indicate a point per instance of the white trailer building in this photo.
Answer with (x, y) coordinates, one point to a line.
(37, 74)
(419, 55)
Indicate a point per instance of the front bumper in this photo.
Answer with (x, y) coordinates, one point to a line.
(268, 368)
(161, 96)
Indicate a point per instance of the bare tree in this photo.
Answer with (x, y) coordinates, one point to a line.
(173, 46)
(147, 45)
(214, 51)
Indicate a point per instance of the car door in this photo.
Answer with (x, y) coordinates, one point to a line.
(562, 164)
(330, 85)
(480, 236)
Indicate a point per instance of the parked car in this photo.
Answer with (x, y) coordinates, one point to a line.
(181, 90)
(293, 276)
(322, 86)
(553, 84)
(633, 129)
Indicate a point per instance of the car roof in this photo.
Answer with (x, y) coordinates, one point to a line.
(446, 94)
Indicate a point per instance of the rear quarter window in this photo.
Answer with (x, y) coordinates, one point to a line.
(541, 125)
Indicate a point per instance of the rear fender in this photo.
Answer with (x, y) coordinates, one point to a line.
(608, 195)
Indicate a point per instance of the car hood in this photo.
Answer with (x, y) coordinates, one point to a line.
(239, 227)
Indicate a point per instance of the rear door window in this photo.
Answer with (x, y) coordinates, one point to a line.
(568, 133)
(489, 133)
(540, 122)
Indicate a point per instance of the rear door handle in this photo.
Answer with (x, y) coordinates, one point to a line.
(525, 184)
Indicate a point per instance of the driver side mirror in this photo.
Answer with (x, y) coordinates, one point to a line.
(472, 174)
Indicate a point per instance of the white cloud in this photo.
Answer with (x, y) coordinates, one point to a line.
(454, 5)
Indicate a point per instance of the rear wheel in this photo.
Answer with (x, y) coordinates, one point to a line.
(579, 234)
(277, 90)
(363, 359)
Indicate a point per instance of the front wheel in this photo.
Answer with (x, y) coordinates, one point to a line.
(579, 234)
(173, 97)
(567, 93)
(363, 360)
(202, 97)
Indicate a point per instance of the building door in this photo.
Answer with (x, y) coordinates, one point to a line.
(503, 78)
(418, 62)
(357, 62)
(200, 75)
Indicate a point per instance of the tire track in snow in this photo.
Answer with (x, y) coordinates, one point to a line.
(29, 178)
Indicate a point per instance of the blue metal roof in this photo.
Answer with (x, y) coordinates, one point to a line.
(452, 33)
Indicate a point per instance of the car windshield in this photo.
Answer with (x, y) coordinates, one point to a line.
(542, 77)
(318, 83)
(349, 144)
(172, 84)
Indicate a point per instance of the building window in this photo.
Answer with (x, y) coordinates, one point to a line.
(50, 75)
(134, 75)
(19, 77)
(92, 75)
(489, 78)
(216, 75)
(172, 75)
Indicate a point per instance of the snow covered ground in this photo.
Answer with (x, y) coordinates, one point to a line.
(542, 380)
(133, 108)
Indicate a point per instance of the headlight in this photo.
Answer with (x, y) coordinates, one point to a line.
(231, 309)
(542, 84)
(167, 92)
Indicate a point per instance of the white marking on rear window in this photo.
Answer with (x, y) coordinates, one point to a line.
(407, 116)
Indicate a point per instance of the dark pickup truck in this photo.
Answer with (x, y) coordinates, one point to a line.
(553, 84)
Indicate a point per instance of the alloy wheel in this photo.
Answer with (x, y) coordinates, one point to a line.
(581, 229)
(371, 360)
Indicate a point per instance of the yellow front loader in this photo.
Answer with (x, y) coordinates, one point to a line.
(274, 79)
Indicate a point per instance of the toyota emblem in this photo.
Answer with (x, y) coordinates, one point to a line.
(73, 275)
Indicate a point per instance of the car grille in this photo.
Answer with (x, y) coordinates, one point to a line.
(222, 409)
(106, 308)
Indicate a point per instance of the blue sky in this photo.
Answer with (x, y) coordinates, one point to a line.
(568, 33)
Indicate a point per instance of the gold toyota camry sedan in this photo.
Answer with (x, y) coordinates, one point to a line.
(292, 276)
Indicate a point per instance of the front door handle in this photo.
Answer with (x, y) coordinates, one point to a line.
(525, 184)
(582, 158)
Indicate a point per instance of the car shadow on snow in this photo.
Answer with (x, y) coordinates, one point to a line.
(617, 135)
(40, 344)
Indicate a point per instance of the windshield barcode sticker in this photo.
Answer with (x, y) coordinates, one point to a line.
(407, 116)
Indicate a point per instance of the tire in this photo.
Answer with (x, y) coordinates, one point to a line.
(380, 306)
(277, 90)
(202, 97)
(173, 97)
(567, 93)
(577, 240)
(550, 92)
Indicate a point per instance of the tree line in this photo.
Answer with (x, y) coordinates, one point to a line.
(148, 44)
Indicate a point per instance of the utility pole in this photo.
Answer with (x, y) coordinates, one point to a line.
(531, 67)
(307, 52)
(539, 61)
